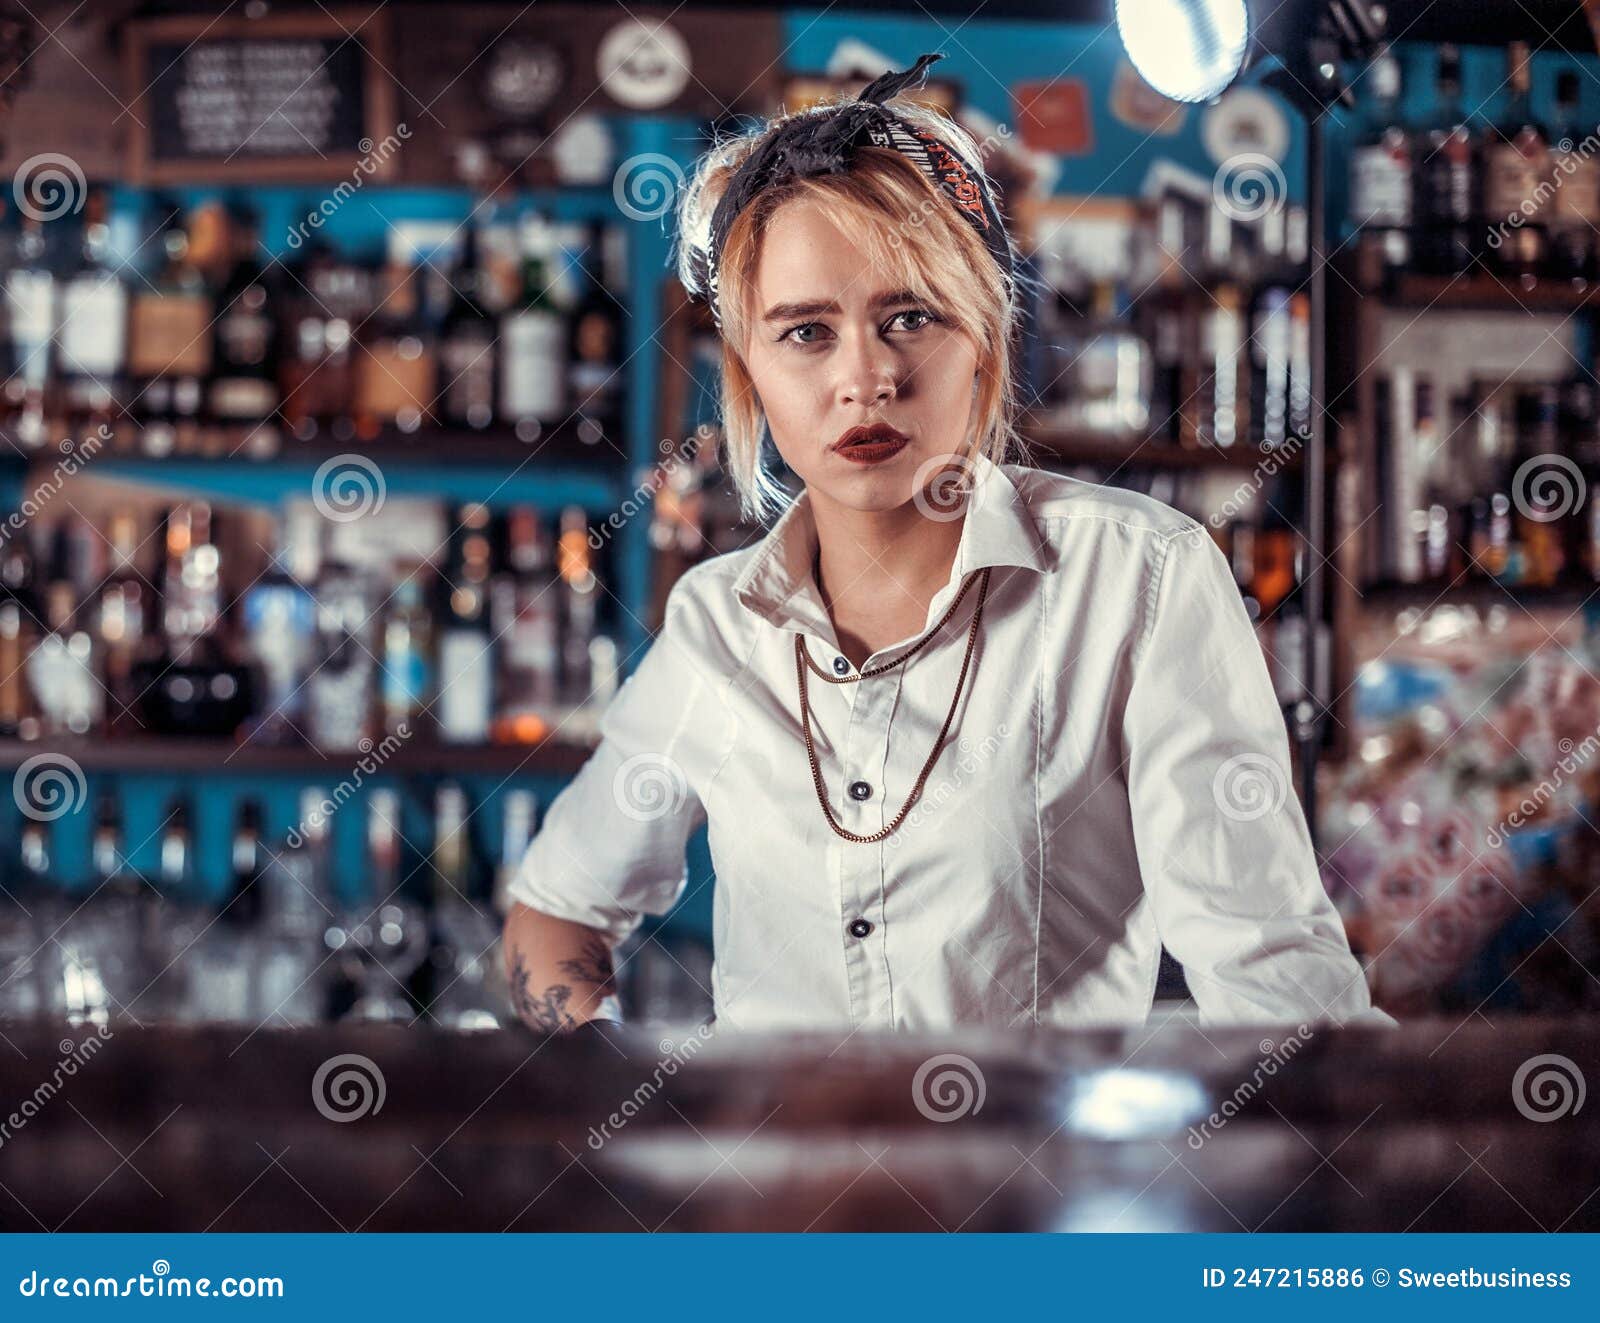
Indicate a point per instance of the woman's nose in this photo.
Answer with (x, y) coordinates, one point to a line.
(867, 375)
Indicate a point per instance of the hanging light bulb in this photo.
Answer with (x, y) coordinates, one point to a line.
(1188, 50)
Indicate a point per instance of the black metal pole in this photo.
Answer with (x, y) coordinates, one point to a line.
(1310, 711)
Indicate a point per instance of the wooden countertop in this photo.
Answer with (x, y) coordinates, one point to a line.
(1427, 1128)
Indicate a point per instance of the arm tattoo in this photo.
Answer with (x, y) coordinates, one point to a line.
(546, 1012)
(593, 965)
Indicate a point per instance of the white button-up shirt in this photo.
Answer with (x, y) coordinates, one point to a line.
(1117, 777)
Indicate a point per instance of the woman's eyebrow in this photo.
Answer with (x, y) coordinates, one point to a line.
(813, 307)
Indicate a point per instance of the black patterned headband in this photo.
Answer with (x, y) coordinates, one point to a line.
(824, 142)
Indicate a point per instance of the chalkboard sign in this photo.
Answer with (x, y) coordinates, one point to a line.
(281, 97)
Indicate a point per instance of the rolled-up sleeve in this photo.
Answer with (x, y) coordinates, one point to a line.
(1224, 852)
(612, 844)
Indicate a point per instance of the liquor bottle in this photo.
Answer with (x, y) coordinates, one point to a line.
(1271, 344)
(451, 862)
(305, 339)
(1445, 192)
(1224, 401)
(1417, 496)
(19, 610)
(244, 379)
(519, 810)
(533, 343)
(467, 346)
(1167, 340)
(1272, 562)
(340, 689)
(407, 655)
(295, 910)
(525, 613)
(395, 376)
(279, 618)
(92, 338)
(169, 338)
(1300, 402)
(1516, 166)
(63, 667)
(579, 604)
(1538, 537)
(243, 905)
(125, 604)
(8, 261)
(466, 647)
(1381, 179)
(1580, 408)
(175, 851)
(31, 324)
(594, 356)
(193, 684)
(323, 299)
(1575, 209)
(106, 859)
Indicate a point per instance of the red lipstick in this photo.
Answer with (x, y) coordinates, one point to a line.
(871, 444)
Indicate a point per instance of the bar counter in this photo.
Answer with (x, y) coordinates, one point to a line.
(1437, 1126)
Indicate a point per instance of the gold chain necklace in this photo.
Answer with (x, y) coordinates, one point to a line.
(803, 661)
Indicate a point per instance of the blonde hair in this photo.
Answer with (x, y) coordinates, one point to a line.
(910, 231)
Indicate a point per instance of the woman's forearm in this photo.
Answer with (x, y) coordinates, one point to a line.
(560, 973)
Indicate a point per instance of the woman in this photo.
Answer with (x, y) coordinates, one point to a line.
(972, 740)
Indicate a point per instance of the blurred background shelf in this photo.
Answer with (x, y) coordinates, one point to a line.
(1482, 593)
(1058, 445)
(560, 755)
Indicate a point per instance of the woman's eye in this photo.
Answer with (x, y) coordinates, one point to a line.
(796, 334)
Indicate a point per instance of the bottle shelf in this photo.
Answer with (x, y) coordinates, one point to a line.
(1067, 446)
(1570, 592)
(555, 468)
(578, 442)
(176, 754)
(1482, 291)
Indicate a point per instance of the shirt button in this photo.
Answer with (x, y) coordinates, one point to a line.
(841, 665)
(860, 927)
(860, 790)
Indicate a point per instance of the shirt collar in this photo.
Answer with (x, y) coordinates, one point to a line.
(997, 530)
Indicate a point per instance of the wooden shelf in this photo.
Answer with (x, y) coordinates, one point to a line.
(1476, 592)
(1486, 292)
(567, 443)
(1066, 445)
(176, 754)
